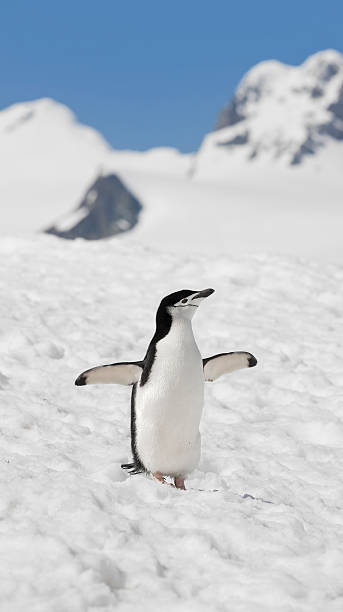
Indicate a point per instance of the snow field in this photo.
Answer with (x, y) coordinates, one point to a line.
(78, 534)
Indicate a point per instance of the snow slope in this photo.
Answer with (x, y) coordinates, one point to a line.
(256, 211)
(76, 533)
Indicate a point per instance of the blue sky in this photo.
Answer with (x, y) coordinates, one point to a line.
(152, 73)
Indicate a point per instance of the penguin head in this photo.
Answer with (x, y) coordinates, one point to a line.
(183, 304)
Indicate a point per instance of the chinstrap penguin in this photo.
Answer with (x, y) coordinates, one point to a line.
(168, 390)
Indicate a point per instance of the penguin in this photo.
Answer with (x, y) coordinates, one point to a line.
(168, 390)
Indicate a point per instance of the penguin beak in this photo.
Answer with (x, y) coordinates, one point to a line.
(203, 294)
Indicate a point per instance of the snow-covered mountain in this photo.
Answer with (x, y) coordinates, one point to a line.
(280, 113)
(268, 179)
(48, 159)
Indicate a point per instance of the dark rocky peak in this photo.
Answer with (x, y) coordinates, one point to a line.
(108, 208)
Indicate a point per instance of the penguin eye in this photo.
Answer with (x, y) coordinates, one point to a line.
(184, 301)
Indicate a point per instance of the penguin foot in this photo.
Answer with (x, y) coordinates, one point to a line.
(179, 483)
(160, 478)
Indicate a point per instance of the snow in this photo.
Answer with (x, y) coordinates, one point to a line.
(282, 109)
(160, 160)
(78, 534)
(72, 219)
(255, 210)
(48, 160)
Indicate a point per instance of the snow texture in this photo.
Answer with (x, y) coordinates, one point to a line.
(76, 533)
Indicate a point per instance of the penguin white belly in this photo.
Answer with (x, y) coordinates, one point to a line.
(168, 407)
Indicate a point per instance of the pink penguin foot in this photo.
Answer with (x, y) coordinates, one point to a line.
(180, 482)
(160, 478)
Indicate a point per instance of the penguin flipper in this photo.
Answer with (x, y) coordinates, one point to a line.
(124, 373)
(224, 363)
